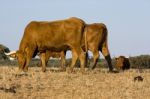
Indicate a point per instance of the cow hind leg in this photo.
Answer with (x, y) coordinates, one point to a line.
(95, 58)
(82, 60)
(107, 56)
(79, 53)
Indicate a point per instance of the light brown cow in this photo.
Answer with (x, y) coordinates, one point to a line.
(122, 63)
(95, 40)
(53, 36)
(96, 36)
(55, 55)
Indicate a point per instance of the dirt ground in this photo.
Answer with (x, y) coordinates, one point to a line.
(54, 84)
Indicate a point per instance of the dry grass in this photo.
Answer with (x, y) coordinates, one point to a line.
(97, 84)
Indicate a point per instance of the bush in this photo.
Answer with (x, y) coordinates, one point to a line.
(142, 61)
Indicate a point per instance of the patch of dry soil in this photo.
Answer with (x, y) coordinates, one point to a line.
(96, 84)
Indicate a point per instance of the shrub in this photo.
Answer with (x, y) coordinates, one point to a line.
(142, 61)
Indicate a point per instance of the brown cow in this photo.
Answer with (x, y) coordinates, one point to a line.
(96, 36)
(54, 36)
(95, 40)
(122, 63)
(55, 55)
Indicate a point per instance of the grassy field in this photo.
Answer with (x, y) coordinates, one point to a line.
(54, 84)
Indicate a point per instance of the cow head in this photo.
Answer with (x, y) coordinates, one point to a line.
(20, 56)
(11, 55)
(14, 54)
(122, 63)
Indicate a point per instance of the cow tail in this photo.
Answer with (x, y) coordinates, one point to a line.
(86, 45)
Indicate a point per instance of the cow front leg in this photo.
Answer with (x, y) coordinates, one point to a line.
(43, 57)
(63, 61)
(21, 60)
(74, 59)
(29, 55)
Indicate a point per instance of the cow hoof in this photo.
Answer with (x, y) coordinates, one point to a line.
(82, 71)
(113, 71)
(43, 69)
(90, 69)
(69, 70)
(25, 70)
(19, 71)
(62, 69)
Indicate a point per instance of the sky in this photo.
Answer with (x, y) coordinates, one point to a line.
(127, 21)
